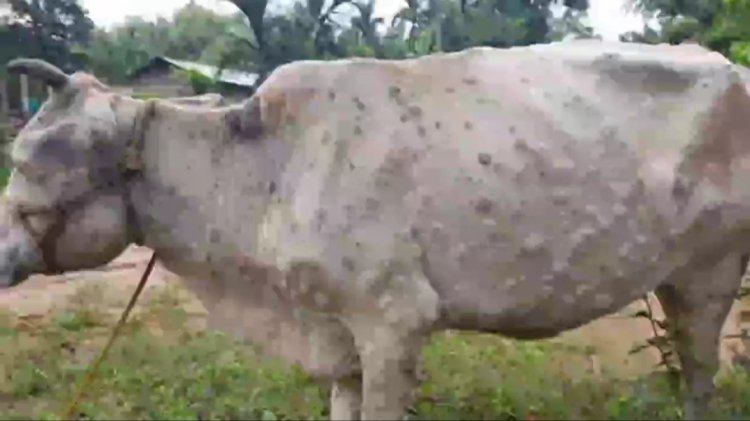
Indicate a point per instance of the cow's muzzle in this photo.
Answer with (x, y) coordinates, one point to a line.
(19, 254)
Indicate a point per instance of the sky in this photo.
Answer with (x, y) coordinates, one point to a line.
(606, 16)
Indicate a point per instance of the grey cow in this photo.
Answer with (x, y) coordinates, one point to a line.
(348, 209)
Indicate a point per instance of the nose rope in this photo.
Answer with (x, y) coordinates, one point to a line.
(93, 368)
(46, 242)
(132, 168)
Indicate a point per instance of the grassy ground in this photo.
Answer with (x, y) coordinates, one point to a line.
(4, 175)
(6, 136)
(166, 367)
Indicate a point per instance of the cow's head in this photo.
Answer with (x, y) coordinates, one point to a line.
(66, 207)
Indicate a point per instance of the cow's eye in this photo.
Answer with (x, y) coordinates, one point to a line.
(23, 168)
(30, 172)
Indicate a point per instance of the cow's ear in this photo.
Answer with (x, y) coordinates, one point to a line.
(40, 69)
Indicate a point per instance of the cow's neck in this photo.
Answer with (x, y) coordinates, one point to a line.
(203, 194)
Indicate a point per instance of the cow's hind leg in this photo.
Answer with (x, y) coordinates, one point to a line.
(696, 308)
(346, 398)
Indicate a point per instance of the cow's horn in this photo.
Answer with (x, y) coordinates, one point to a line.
(39, 69)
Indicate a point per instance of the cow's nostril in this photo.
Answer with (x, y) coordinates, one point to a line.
(13, 255)
(24, 169)
(14, 279)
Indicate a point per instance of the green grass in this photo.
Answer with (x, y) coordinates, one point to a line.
(4, 176)
(165, 368)
(6, 136)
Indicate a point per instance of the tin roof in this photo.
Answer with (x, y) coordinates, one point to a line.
(230, 76)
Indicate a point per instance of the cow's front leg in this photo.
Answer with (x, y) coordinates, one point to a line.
(346, 398)
(389, 362)
(696, 308)
(389, 332)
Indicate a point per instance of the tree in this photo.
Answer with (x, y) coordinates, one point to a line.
(48, 29)
(325, 28)
(679, 20)
(306, 31)
(731, 31)
(260, 40)
(193, 29)
(571, 24)
(703, 11)
(255, 12)
(367, 25)
(113, 55)
(502, 23)
(415, 17)
(11, 47)
(193, 33)
(721, 25)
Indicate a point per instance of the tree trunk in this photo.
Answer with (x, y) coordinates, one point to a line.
(439, 35)
(4, 100)
(25, 96)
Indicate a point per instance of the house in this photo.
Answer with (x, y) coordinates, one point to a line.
(162, 77)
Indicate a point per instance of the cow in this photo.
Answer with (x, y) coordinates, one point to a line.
(349, 209)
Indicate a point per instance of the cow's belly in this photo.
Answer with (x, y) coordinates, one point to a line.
(536, 273)
(536, 293)
(533, 254)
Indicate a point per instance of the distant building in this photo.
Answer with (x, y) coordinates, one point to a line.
(160, 77)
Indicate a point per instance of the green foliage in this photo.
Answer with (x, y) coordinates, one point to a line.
(367, 25)
(200, 83)
(193, 29)
(179, 374)
(739, 52)
(730, 33)
(4, 176)
(721, 25)
(449, 25)
(259, 40)
(193, 33)
(77, 320)
(11, 47)
(308, 31)
(112, 56)
(46, 29)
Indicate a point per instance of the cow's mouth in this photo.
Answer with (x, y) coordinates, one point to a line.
(15, 278)
(12, 273)
(19, 253)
